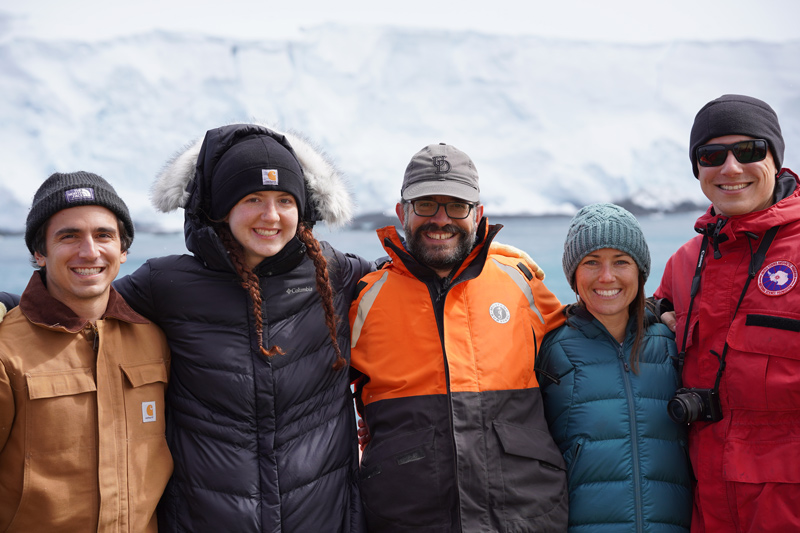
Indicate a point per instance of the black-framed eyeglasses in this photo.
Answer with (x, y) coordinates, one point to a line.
(454, 210)
(750, 151)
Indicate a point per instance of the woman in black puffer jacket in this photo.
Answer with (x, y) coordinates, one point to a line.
(260, 419)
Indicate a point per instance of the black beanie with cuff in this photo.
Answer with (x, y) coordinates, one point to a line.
(736, 114)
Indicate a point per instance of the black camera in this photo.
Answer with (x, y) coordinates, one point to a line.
(690, 405)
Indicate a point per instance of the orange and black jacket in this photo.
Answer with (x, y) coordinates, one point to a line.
(448, 390)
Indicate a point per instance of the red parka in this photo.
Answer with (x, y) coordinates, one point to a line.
(747, 464)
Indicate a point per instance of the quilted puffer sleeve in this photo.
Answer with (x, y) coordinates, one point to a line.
(556, 381)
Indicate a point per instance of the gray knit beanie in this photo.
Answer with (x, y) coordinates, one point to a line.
(736, 114)
(62, 191)
(599, 226)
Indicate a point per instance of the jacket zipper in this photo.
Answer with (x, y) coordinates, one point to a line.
(438, 309)
(438, 294)
(637, 485)
(575, 455)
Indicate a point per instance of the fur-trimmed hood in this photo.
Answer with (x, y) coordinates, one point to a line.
(326, 188)
(186, 182)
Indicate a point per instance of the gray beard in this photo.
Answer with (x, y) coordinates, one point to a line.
(439, 259)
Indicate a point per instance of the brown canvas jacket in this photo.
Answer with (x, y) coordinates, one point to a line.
(82, 438)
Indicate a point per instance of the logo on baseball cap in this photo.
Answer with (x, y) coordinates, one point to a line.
(441, 169)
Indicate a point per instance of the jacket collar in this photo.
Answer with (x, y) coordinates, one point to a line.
(284, 261)
(40, 308)
(580, 318)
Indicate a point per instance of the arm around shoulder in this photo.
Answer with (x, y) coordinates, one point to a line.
(137, 291)
(348, 269)
(8, 301)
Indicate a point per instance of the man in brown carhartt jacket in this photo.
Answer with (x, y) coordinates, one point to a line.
(82, 376)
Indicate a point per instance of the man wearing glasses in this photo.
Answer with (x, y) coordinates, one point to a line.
(445, 337)
(735, 295)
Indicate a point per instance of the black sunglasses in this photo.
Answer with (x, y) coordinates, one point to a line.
(714, 155)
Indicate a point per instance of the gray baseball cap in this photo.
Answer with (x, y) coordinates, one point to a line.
(441, 169)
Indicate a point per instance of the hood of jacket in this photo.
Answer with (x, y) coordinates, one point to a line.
(185, 181)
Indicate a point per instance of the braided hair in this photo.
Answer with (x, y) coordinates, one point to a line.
(250, 283)
(323, 288)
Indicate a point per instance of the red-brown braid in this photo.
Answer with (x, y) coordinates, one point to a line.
(323, 288)
(249, 283)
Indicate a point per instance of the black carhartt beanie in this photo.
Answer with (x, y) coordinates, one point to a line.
(736, 114)
(256, 163)
(62, 191)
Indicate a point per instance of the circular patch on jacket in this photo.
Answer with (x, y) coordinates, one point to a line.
(777, 278)
(499, 313)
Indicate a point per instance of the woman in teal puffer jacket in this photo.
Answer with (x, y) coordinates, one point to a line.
(606, 377)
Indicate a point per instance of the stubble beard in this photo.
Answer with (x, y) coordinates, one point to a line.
(440, 257)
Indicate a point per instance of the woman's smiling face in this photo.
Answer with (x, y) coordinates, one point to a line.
(263, 223)
(607, 281)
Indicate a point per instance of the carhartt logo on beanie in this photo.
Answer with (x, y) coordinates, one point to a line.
(600, 226)
(62, 191)
(255, 163)
(736, 114)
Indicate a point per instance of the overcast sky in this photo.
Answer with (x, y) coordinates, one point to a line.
(625, 21)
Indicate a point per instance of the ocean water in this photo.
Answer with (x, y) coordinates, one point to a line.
(542, 237)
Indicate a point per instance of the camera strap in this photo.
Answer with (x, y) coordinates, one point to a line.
(695, 286)
(755, 264)
(756, 261)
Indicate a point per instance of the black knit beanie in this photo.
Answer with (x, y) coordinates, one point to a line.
(62, 191)
(256, 163)
(735, 114)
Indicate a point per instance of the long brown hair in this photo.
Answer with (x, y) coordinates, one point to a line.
(636, 309)
(250, 283)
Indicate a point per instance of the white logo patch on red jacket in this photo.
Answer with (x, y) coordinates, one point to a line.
(777, 278)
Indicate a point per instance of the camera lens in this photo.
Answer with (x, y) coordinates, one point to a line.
(685, 407)
(677, 411)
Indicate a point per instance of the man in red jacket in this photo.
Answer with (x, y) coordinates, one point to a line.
(733, 289)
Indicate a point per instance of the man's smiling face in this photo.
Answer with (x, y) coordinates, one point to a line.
(84, 253)
(439, 241)
(738, 188)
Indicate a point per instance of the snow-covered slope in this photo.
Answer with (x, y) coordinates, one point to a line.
(550, 124)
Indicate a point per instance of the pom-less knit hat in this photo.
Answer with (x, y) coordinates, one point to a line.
(735, 114)
(62, 191)
(599, 226)
(256, 163)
